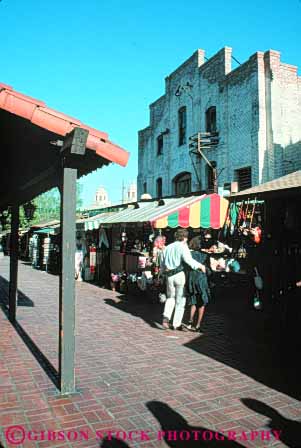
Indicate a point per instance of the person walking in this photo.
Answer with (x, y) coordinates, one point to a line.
(197, 286)
(174, 257)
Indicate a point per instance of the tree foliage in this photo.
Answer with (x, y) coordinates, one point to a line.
(47, 209)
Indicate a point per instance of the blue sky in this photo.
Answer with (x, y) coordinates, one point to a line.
(104, 62)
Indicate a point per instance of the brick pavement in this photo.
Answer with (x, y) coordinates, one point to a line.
(131, 376)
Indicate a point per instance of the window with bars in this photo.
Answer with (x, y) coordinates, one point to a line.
(244, 178)
(182, 120)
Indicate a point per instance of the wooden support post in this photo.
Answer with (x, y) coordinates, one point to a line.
(67, 284)
(13, 265)
(74, 147)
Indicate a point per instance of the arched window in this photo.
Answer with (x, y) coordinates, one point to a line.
(182, 183)
(211, 119)
(159, 187)
(182, 121)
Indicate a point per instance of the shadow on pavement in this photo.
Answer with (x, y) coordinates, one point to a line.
(185, 434)
(235, 334)
(137, 306)
(113, 443)
(46, 365)
(23, 300)
(252, 342)
(290, 430)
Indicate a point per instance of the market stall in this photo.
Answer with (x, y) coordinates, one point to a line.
(274, 249)
(43, 246)
(137, 235)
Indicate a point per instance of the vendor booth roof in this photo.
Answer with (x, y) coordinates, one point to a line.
(29, 136)
(292, 180)
(94, 221)
(194, 211)
(46, 230)
(43, 224)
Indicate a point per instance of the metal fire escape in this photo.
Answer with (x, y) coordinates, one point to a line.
(200, 142)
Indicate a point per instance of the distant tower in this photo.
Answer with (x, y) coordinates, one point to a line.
(102, 198)
(132, 192)
(129, 193)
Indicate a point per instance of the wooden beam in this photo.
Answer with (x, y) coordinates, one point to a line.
(13, 264)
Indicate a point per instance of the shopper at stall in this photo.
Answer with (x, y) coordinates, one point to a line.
(197, 286)
(172, 265)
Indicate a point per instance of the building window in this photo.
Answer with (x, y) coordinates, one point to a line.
(160, 145)
(211, 119)
(182, 184)
(210, 177)
(159, 187)
(182, 125)
(144, 187)
(244, 178)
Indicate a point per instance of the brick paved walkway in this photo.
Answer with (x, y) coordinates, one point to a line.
(133, 376)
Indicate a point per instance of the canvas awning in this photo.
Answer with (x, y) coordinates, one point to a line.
(195, 211)
(208, 211)
(95, 221)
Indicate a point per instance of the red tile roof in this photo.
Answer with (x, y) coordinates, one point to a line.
(39, 114)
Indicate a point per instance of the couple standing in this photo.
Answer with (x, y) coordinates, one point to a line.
(175, 256)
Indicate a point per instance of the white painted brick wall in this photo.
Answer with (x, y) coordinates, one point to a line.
(258, 119)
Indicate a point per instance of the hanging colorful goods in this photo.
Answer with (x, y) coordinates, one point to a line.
(227, 224)
(257, 302)
(256, 231)
(258, 280)
(240, 213)
(92, 259)
(242, 253)
(234, 217)
(257, 234)
(243, 215)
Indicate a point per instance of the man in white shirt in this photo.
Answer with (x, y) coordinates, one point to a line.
(172, 265)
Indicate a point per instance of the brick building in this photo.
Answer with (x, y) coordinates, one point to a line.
(255, 109)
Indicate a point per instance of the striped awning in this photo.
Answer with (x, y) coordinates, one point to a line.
(209, 211)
